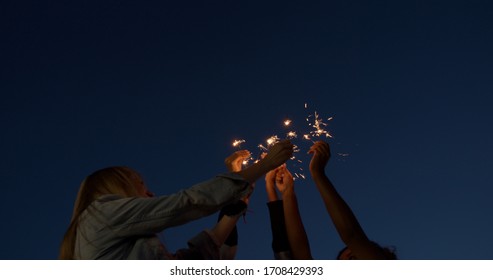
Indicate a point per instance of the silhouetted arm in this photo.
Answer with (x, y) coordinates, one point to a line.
(280, 242)
(298, 241)
(342, 216)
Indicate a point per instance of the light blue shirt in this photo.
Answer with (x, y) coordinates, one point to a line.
(115, 227)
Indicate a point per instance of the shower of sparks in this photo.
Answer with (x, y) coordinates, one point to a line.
(237, 143)
(319, 126)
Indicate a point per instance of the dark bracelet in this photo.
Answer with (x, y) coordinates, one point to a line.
(234, 209)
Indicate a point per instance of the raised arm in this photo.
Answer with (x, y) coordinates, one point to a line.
(342, 216)
(280, 241)
(298, 240)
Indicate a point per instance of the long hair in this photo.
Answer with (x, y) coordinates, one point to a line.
(118, 180)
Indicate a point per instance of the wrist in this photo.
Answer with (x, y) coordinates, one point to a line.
(317, 171)
(235, 209)
(287, 191)
(319, 177)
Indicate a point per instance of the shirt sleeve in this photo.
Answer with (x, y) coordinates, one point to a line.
(142, 216)
(280, 242)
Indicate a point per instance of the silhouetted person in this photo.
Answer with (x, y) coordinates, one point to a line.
(358, 246)
(116, 217)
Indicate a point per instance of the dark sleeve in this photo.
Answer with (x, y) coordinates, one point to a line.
(231, 210)
(280, 242)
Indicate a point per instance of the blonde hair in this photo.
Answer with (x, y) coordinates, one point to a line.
(118, 180)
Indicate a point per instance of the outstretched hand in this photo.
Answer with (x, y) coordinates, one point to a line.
(234, 162)
(321, 155)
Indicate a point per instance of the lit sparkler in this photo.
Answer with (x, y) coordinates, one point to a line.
(319, 126)
(237, 143)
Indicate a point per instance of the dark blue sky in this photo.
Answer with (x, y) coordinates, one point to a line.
(164, 87)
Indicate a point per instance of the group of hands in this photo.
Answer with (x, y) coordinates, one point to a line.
(280, 176)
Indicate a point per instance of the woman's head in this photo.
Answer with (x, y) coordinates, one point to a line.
(347, 254)
(117, 180)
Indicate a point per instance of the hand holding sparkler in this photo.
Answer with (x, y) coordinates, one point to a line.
(321, 155)
(298, 240)
(235, 161)
(284, 179)
(278, 154)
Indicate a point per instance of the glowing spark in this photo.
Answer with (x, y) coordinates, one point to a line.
(236, 143)
(272, 140)
(306, 105)
(302, 176)
(306, 136)
(295, 149)
(287, 122)
(292, 134)
(246, 161)
(343, 154)
(262, 147)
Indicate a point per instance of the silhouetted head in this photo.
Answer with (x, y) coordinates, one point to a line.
(117, 180)
(346, 254)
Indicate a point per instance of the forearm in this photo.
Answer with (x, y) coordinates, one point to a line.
(271, 191)
(297, 237)
(252, 173)
(224, 227)
(341, 214)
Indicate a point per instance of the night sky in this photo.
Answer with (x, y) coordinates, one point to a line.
(165, 87)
